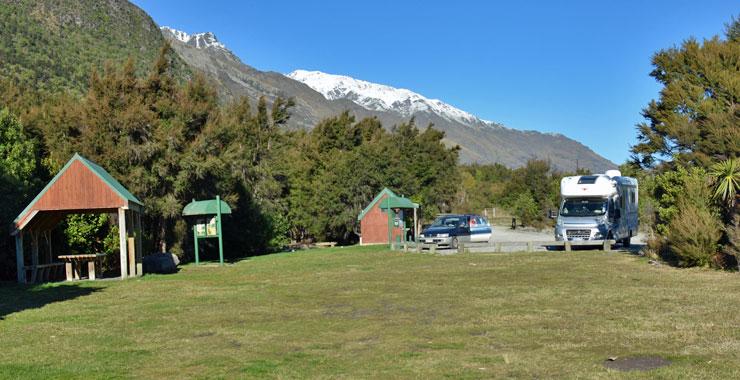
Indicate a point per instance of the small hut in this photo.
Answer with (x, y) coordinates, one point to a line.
(383, 222)
(81, 187)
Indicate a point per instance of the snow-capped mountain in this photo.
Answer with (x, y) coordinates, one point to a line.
(197, 40)
(319, 96)
(379, 97)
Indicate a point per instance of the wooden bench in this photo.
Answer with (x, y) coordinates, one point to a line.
(326, 244)
(73, 265)
(44, 272)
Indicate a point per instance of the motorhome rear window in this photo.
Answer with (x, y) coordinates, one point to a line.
(587, 180)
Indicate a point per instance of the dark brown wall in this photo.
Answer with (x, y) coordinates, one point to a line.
(77, 189)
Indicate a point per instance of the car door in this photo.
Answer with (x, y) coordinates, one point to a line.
(463, 229)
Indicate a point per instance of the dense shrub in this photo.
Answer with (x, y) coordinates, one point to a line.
(693, 236)
(525, 209)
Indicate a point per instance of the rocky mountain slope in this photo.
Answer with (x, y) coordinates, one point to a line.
(319, 95)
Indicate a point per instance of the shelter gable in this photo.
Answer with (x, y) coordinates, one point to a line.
(77, 189)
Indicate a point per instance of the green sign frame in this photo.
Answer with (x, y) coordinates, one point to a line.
(209, 227)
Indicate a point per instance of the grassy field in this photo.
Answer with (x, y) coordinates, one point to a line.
(371, 313)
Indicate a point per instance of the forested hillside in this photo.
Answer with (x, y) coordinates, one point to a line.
(52, 45)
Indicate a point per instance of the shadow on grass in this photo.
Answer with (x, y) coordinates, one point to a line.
(16, 298)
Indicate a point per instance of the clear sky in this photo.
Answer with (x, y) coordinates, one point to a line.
(579, 68)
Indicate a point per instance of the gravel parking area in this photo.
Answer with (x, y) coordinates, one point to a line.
(523, 235)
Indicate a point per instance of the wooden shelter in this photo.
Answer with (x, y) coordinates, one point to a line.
(382, 222)
(81, 187)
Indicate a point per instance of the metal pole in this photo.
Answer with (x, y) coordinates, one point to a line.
(388, 207)
(220, 234)
(195, 239)
(416, 231)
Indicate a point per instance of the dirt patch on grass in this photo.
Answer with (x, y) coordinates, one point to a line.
(640, 363)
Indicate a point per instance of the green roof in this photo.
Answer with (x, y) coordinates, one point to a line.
(398, 202)
(394, 200)
(95, 168)
(208, 207)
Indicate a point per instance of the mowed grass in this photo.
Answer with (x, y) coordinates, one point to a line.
(371, 313)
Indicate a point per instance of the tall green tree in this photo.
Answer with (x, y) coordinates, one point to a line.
(19, 170)
(696, 120)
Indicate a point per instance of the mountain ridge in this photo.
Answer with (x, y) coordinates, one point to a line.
(481, 141)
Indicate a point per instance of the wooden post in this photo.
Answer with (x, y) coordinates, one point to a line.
(91, 269)
(122, 242)
(19, 258)
(530, 246)
(131, 256)
(567, 246)
(406, 247)
(68, 270)
(77, 268)
(139, 245)
(461, 247)
(419, 247)
(34, 255)
(498, 246)
(47, 237)
(433, 249)
(607, 245)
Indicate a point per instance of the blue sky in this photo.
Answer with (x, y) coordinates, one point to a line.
(579, 68)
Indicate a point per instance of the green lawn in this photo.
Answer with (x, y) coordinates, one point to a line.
(371, 313)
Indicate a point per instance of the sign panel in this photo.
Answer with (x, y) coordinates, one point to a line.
(206, 227)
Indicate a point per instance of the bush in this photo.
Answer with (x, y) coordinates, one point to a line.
(693, 236)
(525, 209)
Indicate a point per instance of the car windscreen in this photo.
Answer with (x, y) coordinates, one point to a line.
(446, 221)
(584, 207)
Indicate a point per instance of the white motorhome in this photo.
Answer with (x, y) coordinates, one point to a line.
(598, 207)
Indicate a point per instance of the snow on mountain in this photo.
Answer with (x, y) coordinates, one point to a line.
(378, 97)
(197, 40)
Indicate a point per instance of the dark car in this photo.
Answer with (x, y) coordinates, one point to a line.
(450, 230)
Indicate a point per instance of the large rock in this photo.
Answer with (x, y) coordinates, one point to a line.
(161, 263)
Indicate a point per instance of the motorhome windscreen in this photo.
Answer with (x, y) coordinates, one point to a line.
(583, 207)
(587, 180)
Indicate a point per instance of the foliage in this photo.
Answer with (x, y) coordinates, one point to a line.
(54, 44)
(342, 164)
(726, 176)
(525, 209)
(693, 235)
(696, 119)
(677, 188)
(19, 168)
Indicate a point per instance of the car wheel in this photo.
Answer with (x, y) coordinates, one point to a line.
(454, 243)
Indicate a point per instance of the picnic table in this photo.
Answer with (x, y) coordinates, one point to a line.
(73, 265)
